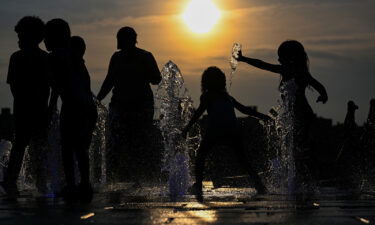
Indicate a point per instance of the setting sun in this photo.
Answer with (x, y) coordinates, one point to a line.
(201, 15)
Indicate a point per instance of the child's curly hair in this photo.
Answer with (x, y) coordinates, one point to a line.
(32, 27)
(293, 53)
(213, 79)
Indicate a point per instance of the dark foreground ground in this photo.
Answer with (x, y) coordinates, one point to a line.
(126, 205)
(148, 205)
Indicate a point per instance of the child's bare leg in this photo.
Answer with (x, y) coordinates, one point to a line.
(199, 167)
(15, 162)
(241, 157)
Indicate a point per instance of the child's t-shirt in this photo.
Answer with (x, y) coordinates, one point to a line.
(222, 120)
(28, 78)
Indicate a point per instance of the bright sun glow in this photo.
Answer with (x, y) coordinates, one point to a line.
(201, 15)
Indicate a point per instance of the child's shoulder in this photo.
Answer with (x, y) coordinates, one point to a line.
(203, 96)
(143, 52)
(16, 55)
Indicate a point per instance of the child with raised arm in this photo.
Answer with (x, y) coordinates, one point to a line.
(222, 125)
(295, 78)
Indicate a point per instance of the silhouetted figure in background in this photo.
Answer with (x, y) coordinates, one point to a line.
(370, 123)
(28, 82)
(368, 144)
(350, 152)
(130, 73)
(222, 126)
(349, 122)
(295, 78)
(71, 82)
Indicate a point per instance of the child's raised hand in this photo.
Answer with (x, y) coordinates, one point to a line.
(322, 99)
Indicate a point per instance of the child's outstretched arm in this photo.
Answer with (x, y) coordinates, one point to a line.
(108, 81)
(153, 70)
(319, 88)
(249, 111)
(260, 64)
(197, 114)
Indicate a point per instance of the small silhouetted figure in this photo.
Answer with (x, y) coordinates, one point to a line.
(295, 78)
(222, 126)
(349, 122)
(71, 82)
(368, 143)
(350, 155)
(130, 73)
(30, 89)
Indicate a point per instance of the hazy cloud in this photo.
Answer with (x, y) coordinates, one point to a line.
(337, 34)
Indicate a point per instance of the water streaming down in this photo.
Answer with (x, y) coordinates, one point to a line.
(281, 178)
(5, 147)
(175, 110)
(233, 61)
(54, 161)
(97, 150)
(34, 170)
(51, 171)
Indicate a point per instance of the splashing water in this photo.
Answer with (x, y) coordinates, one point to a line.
(5, 147)
(280, 137)
(97, 150)
(176, 109)
(48, 170)
(233, 61)
(54, 161)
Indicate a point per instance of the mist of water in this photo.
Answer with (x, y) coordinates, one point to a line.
(175, 110)
(5, 147)
(280, 136)
(97, 150)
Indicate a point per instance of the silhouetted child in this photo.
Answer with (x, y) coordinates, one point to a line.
(29, 85)
(71, 82)
(295, 78)
(349, 158)
(222, 125)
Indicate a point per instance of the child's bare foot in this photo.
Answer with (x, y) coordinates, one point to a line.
(199, 196)
(197, 191)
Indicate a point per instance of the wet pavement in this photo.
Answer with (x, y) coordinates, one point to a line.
(147, 205)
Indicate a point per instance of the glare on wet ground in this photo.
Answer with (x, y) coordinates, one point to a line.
(124, 204)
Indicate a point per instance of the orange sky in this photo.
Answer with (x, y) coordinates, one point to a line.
(337, 34)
